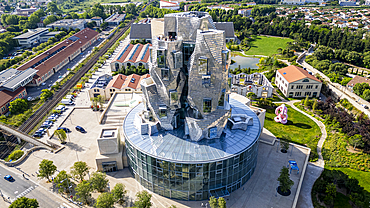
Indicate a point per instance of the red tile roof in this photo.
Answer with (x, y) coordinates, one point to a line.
(294, 73)
(358, 79)
(71, 47)
(117, 81)
(136, 83)
(6, 96)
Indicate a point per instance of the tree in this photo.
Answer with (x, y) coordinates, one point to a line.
(52, 7)
(359, 88)
(79, 170)
(12, 20)
(213, 202)
(101, 100)
(50, 19)
(18, 106)
(331, 192)
(119, 191)
(252, 96)
(83, 191)
(46, 169)
(221, 202)
(356, 140)
(61, 134)
(306, 102)
(15, 155)
(105, 200)
(366, 95)
(24, 202)
(285, 182)
(338, 68)
(314, 105)
(62, 181)
(143, 200)
(46, 93)
(99, 181)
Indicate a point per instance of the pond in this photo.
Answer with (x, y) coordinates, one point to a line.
(244, 62)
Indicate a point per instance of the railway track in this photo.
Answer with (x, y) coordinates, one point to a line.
(31, 122)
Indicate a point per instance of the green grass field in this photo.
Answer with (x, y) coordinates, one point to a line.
(301, 129)
(267, 46)
(362, 177)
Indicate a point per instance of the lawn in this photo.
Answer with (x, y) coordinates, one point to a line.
(267, 46)
(362, 176)
(301, 129)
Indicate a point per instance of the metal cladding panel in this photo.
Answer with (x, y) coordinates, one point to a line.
(166, 146)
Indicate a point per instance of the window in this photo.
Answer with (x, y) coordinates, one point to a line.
(218, 171)
(206, 80)
(199, 174)
(222, 98)
(199, 165)
(236, 165)
(317, 86)
(299, 86)
(219, 163)
(225, 58)
(162, 111)
(309, 86)
(249, 157)
(160, 170)
(96, 90)
(292, 87)
(307, 94)
(297, 94)
(174, 97)
(161, 58)
(127, 89)
(188, 51)
(177, 56)
(207, 105)
(306, 80)
(165, 74)
(178, 174)
(314, 94)
(203, 65)
(178, 164)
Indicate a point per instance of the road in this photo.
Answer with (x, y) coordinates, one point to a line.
(23, 187)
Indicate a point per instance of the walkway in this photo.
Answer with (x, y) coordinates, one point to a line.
(314, 169)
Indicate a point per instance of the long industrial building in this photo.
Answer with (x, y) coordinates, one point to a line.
(52, 60)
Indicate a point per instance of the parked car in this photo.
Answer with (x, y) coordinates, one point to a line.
(80, 129)
(45, 126)
(41, 131)
(65, 129)
(67, 102)
(37, 134)
(61, 108)
(8, 178)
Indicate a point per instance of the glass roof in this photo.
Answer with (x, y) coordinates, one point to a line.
(166, 146)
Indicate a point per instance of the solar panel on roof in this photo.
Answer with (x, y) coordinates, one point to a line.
(73, 38)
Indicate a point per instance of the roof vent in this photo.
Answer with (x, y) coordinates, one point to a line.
(284, 73)
(85, 36)
(79, 41)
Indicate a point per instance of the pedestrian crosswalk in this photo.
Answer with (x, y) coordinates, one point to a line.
(25, 192)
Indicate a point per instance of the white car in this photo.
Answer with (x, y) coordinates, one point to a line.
(43, 84)
(29, 98)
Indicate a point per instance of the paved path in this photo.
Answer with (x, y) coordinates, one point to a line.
(314, 169)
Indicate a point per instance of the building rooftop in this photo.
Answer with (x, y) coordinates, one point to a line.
(171, 145)
(141, 31)
(358, 79)
(228, 27)
(31, 33)
(67, 22)
(50, 58)
(102, 81)
(116, 18)
(133, 53)
(12, 78)
(6, 96)
(108, 133)
(294, 73)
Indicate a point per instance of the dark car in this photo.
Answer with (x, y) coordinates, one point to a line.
(80, 129)
(8, 178)
(65, 129)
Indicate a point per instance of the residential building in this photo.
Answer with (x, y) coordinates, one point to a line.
(173, 5)
(187, 127)
(32, 37)
(245, 12)
(123, 83)
(355, 80)
(98, 87)
(106, 85)
(348, 3)
(293, 81)
(12, 84)
(256, 83)
(53, 59)
(25, 12)
(97, 20)
(131, 55)
(69, 23)
(115, 19)
(224, 7)
(141, 31)
(109, 157)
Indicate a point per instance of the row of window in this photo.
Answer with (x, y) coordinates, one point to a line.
(301, 86)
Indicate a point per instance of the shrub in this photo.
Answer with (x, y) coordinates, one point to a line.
(15, 155)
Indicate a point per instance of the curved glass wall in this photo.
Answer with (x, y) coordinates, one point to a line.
(192, 181)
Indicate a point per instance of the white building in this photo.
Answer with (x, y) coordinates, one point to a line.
(294, 81)
(68, 23)
(256, 83)
(32, 37)
(173, 5)
(131, 55)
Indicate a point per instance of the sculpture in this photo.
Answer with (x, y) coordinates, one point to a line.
(281, 114)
